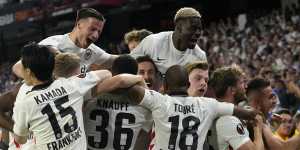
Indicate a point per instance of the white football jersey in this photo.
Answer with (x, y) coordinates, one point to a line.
(93, 54)
(228, 132)
(53, 113)
(112, 123)
(161, 49)
(182, 122)
(30, 142)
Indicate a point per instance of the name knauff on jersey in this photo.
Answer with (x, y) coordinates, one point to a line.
(67, 140)
(50, 95)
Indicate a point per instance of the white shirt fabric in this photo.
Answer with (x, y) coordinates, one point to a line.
(51, 113)
(112, 123)
(30, 142)
(228, 131)
(93, 54)
(182, 122)
(161, 49)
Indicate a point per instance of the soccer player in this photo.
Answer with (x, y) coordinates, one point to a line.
(228, 132)
(88, 27)
(52, 109)
(111, 122)
(198, 78)
(262, 98)
(148, 70)
(178, 47)
(181, 122)
(134, 37)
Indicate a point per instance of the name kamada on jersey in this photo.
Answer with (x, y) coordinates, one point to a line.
(50, 95)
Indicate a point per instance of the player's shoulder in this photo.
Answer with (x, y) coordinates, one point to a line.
(55, 39)
(160, 37)
(198, 51)
(95, 48)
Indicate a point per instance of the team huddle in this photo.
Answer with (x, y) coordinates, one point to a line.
(151, 99)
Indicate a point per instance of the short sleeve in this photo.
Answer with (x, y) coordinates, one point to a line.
(84, 82)
(21, 118)
(232, 131)
(52, 41)
(101, 56)
(223, 108)
(152, 99)
(218, 108)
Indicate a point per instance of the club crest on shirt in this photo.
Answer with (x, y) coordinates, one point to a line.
(240, 129)
(88, 54)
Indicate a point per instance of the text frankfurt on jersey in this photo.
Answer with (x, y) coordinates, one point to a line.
(67, 140)
(53, 94)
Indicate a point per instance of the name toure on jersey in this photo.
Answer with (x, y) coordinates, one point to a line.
(185, 109)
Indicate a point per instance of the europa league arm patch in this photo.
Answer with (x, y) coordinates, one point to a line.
(240, 129)
(82, 75)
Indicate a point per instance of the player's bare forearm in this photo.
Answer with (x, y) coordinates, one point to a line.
(258, 139)
(6, 122)
(17, 69)
(136, 94)
(7, 101)
(245, 114)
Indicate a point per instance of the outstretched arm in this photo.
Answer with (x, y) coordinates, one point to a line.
(277, 144)
(118, 81)
(6, 104)
(246, 114)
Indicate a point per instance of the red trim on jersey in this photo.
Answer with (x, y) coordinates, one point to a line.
(152, 136)
(17, 144)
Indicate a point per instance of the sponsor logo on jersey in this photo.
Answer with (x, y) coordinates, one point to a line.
(88, 54)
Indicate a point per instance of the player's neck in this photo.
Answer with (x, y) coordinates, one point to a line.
(76, 40)
(177, 91)
(177, 42)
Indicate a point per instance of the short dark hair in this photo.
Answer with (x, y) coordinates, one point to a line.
(89, 12)
(39, 59)
(147, 58)
(257, 84)
(124, 64)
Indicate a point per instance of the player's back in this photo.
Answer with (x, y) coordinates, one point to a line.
(53, 113)
(112, 123)
(182, 122)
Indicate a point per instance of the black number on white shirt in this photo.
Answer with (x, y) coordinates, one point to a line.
(190, 126)
(119, 130)
(63, 112)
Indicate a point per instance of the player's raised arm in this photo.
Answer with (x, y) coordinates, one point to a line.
(118, 81)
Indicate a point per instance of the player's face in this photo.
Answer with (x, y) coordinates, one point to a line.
(191, 31)
(267, 99)
(198, 79)
(90, 31)
(147, 70)
(286, 125)
(132, 45)
(240, 94)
